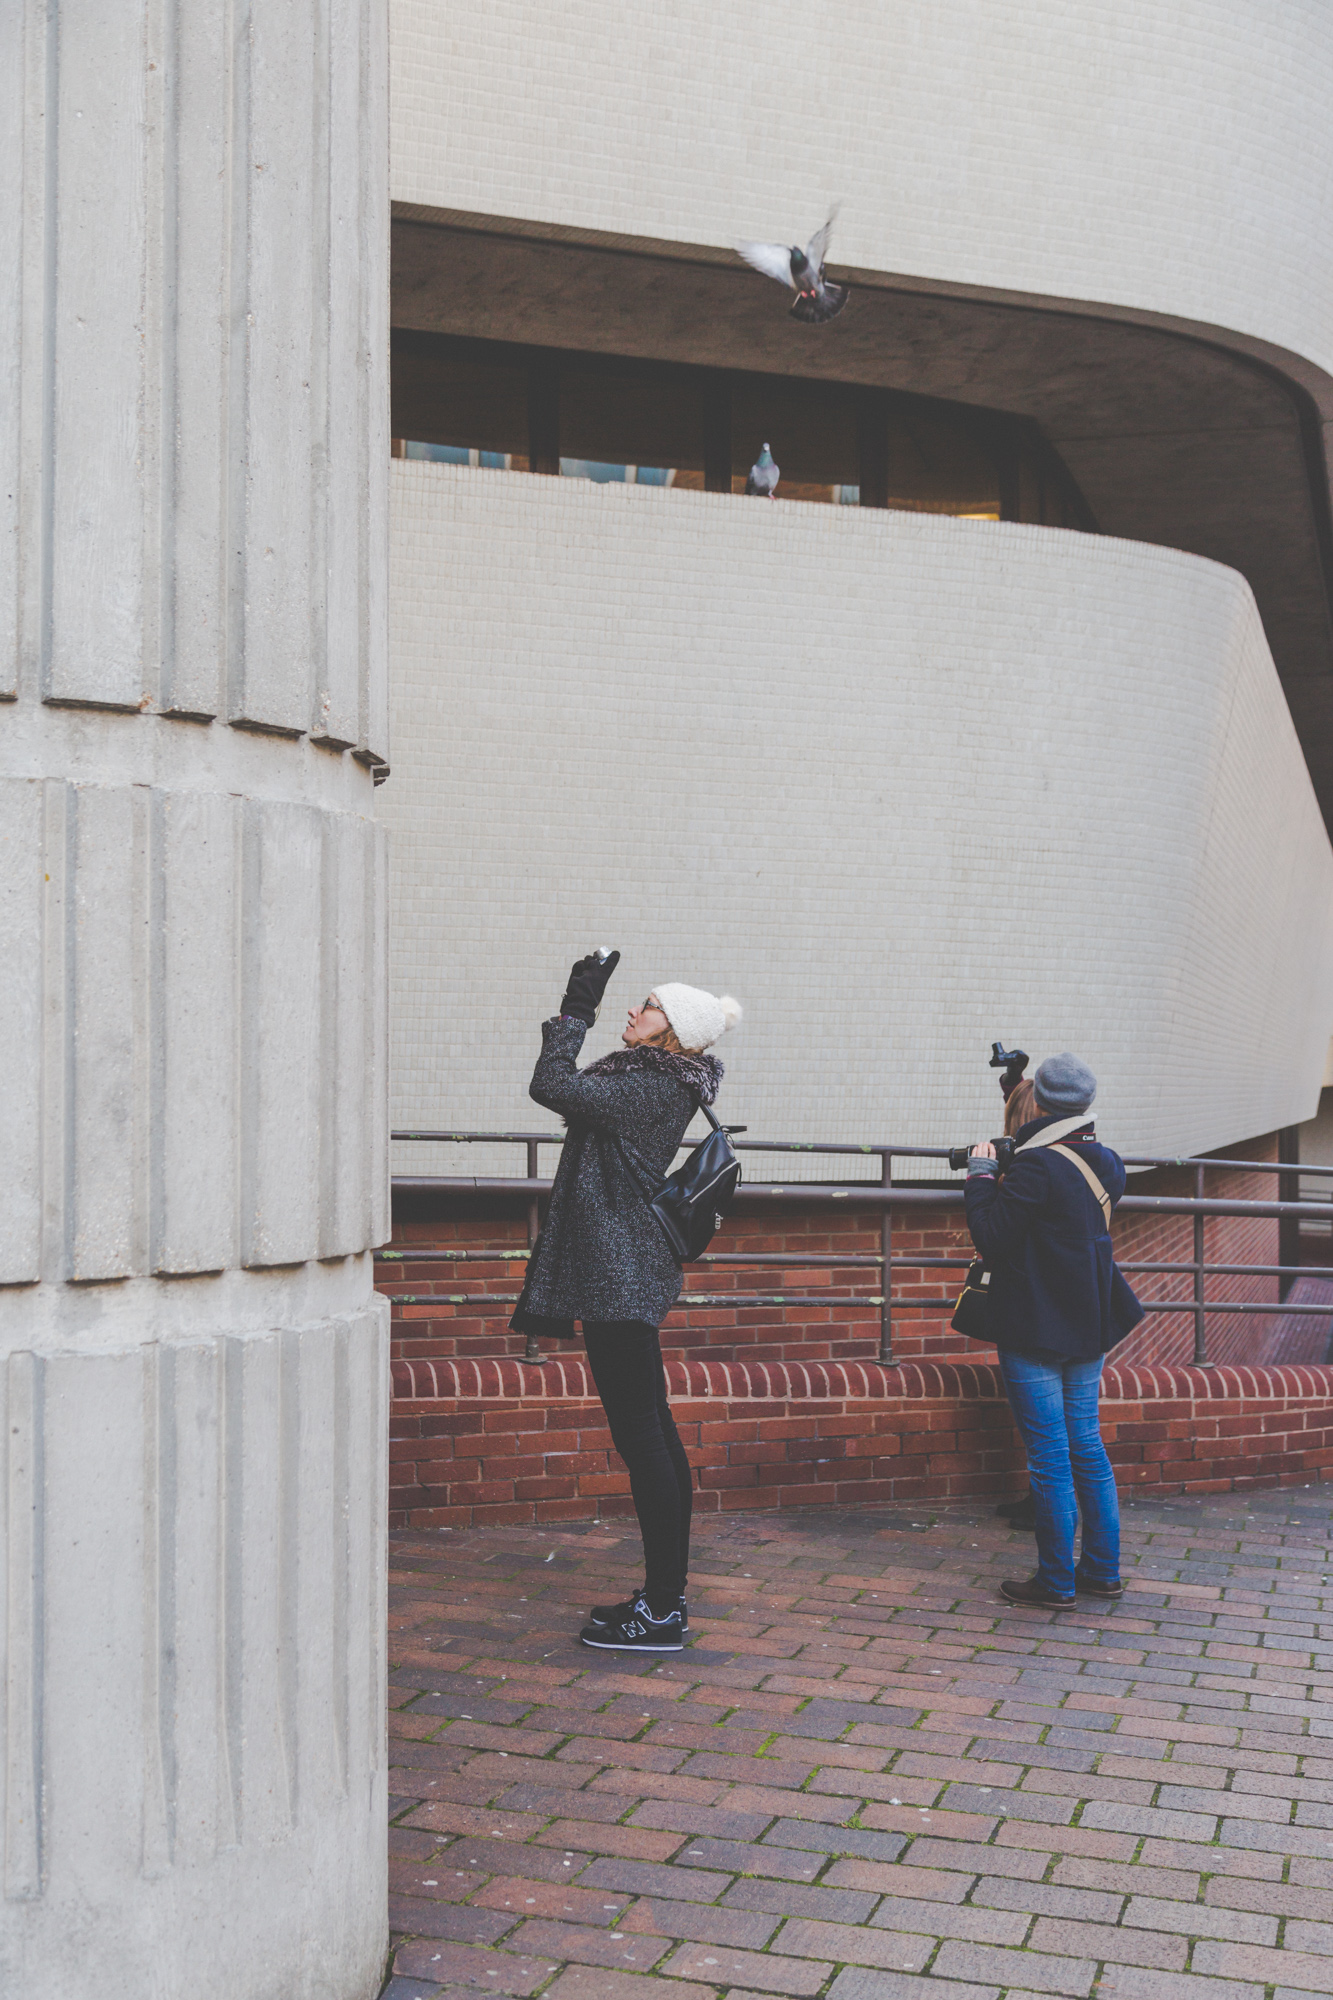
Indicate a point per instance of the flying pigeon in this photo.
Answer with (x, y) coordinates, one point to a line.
(817, 299)
(763, 475)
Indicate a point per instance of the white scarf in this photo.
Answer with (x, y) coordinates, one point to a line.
(1054, 1133)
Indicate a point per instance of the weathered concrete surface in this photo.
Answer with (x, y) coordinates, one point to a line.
(192, 909)
(867, 1777)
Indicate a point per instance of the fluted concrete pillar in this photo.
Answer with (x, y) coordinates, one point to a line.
(193, 243)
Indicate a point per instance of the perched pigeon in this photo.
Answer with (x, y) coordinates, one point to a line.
(817, 299)
(763, 475)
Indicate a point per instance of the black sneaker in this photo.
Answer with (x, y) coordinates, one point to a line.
(638, 1632)
(612, 1614)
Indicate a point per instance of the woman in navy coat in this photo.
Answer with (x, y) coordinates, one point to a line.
(1057, 1306)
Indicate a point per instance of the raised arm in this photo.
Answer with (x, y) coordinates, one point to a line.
(615, 1103)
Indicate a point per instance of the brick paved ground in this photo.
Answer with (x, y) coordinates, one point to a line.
(867, 1776)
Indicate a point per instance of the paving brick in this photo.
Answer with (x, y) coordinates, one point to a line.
(764, 1972)
(1047, 1899)
(647, 1878)
(938, 1884)
(721, 1823)
(936, 1919)
(1278, 1899)
(1031, 1971)
(535, 1864)
(587, 1947)
(747, 1859)
(411, 1989)
(789, 1899)
(1307, 1972)
(1055, 1811)
(1137, 1982)
(836, 1840)
(1065, 1840)
(1302, 1935)
(1110, 1942)
(1155, 1820)
(858, 1983)
(1200, 1920)
(426, 1916)
(492, 1971)
(546, 1800)
(640, 1842)
(583, 1982)
(978, 1858)
(446, 1817)
(1277, 1839)
(748, 1929)
(1218, 1860)
(827, 1801)
(549, 1899)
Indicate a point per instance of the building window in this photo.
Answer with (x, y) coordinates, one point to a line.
(614, 419)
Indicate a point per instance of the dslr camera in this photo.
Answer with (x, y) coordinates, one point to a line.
(1013, 1062)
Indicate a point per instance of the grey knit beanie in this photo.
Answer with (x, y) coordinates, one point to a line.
(1063, 1083)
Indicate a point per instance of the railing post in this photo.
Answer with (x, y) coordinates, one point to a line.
(886, 1274)
(532, 1352)
(1200, 1333)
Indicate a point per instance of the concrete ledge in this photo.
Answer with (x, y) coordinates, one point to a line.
(476, 1442)
(785, 1381)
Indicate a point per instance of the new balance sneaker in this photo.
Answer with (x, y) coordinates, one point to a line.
(637, 1632)
(612, 1614)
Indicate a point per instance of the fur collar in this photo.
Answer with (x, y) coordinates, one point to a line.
(701, 1074)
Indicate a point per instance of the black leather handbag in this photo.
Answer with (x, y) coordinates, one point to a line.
(691, 1204)
(971, 1315)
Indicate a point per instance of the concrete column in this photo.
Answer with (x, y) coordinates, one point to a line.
(193, 461)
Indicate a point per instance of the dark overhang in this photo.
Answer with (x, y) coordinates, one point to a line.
(1177, 434)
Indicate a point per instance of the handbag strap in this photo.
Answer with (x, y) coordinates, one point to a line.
(1067, 1153)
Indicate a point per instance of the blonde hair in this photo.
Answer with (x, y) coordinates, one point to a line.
(1020, 1106)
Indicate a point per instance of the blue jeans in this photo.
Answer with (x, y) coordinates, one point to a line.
(1055, 1408)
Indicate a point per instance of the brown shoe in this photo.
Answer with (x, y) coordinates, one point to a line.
(1036, 1594)
(1086, 1587)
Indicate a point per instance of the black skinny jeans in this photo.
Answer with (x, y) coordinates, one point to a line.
(626, 1361)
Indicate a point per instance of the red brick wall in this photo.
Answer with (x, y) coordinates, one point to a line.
(501, 1441)
(842, 1325)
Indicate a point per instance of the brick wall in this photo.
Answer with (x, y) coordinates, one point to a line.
(500, 1441)
(438, 1307)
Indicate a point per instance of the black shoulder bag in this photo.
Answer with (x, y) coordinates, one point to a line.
(691, 1204)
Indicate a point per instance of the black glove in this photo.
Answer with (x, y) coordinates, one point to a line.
(587, 984)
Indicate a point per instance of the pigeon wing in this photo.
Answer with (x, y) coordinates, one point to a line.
(773, 259)
(817, 248)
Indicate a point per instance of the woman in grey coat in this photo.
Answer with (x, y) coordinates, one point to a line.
(603, 1260)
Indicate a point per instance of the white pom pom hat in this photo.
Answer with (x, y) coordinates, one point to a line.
(698, 1018)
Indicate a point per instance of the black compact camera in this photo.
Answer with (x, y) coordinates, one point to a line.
(1004, 1153)
(1013, 1062)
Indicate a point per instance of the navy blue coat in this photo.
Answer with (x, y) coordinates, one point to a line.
(1054, 1288)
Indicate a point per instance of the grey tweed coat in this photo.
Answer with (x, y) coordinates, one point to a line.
(603, 1255)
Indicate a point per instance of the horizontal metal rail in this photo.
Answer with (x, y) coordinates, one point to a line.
(858, 1149)
(870, 1194)
(888, 1200)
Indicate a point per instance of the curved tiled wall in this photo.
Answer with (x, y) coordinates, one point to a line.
(903, 784)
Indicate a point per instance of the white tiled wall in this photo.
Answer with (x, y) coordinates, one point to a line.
(902, 784)
(1176, 158)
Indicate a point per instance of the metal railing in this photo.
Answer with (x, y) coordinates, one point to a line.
(890, 1200)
